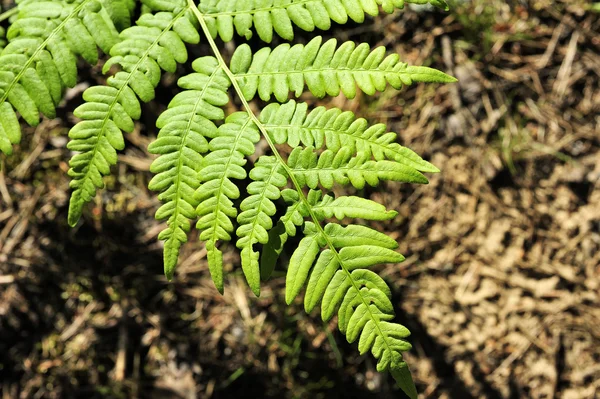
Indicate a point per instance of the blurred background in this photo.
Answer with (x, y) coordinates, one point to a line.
(501, 283)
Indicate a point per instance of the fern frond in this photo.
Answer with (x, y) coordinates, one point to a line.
(328, 147)
(41, 58)
(335, 261)
(235, 140)
(324, 69)
(155, 43)
(334, 129)
(180, 143)
(223, 18)
(268, 177)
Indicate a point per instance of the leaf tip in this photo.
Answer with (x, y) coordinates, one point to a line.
(215, 265)
(289, 298)
(427, 167)
(75, 211)
(73, 219)
(404, 380)
(450, 78)
(220, 288)
(171, 253)
(169, 271)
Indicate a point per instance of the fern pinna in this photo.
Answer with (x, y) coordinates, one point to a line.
(203, 153)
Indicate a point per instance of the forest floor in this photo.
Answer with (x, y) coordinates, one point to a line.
(501, 286)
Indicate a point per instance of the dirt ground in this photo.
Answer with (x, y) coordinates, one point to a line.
(501, 286)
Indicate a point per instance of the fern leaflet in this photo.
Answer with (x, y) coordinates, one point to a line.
(181, 141)
(324, 69)
(268, 177)
(223, 18)
(325, 169)
(333, 129)
(327, 207)
(234, 141)
(338, 280)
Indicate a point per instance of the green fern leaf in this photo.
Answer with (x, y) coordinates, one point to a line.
(354, 254)
(350, 207)
(324, 69)
(325, 169)
(234, 141)
(268, 177)
(289, 123)
(223, 18)
(157, 42)
(180, 143)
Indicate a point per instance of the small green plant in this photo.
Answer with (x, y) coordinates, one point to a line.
(203, 154)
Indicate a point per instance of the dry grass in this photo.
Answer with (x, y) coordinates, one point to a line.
(501, 282)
